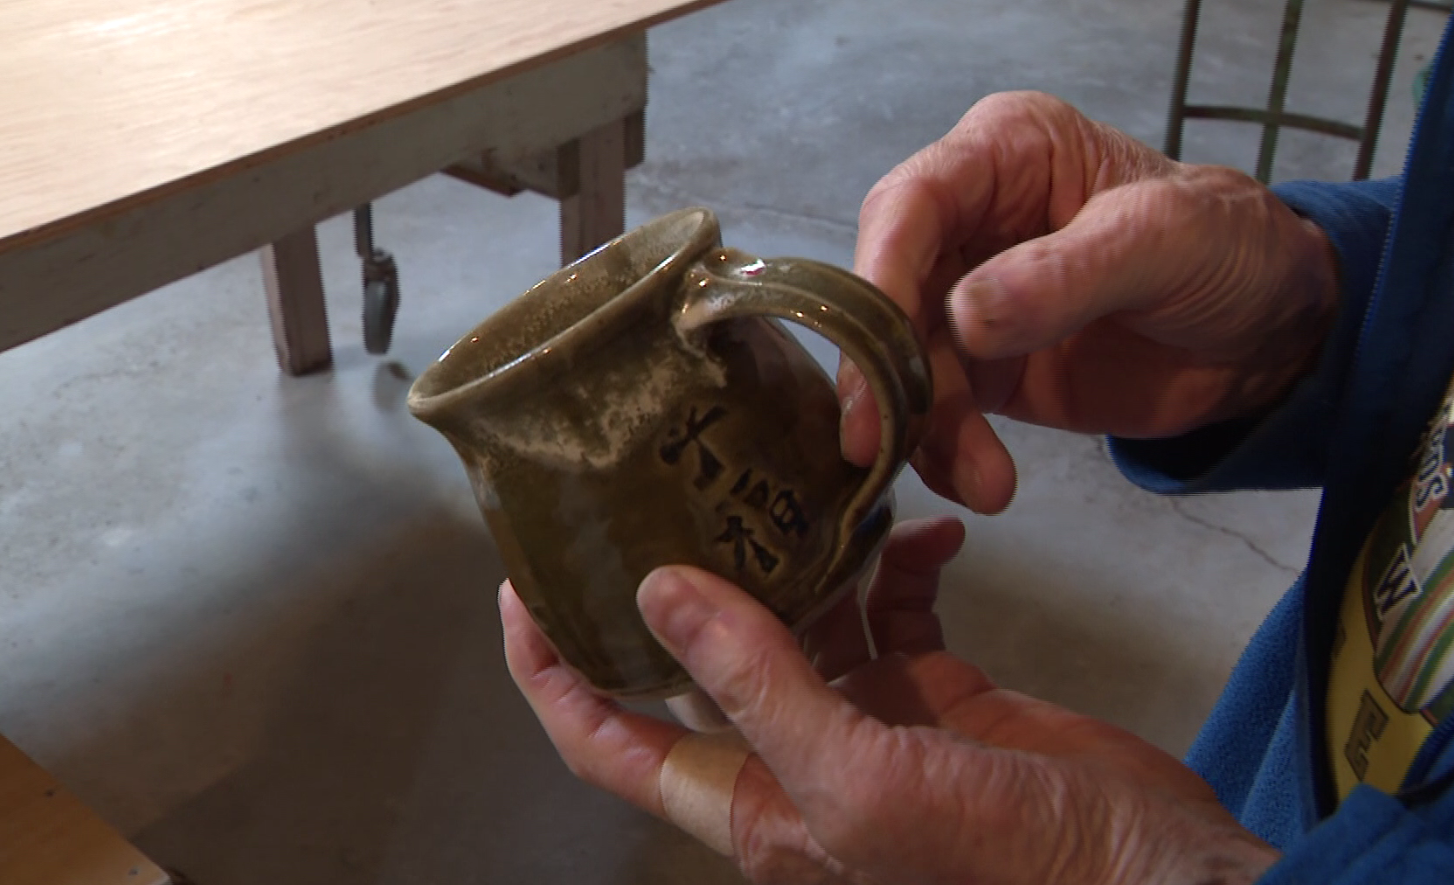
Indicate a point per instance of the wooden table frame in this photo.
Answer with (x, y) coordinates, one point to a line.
(568, 128)
(513, 97)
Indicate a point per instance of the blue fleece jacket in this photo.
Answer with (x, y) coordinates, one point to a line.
(1350, 427)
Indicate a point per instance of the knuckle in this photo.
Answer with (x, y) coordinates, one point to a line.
(1016, 106)
(768, 856)
(1037, 252)
(576, 752)
(779, 865)
(578, 767)
(770, 842)
(902, 175)
(1218, 178)
(925, 172)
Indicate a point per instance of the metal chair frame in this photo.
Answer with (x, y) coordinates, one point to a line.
(1275, 117)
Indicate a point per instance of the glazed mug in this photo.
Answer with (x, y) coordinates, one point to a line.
(643, 407)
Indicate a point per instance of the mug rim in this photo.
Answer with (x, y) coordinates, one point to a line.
(428, 407)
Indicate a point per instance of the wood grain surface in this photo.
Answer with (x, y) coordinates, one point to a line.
(105, 101)
(86, 264)
(48, 837)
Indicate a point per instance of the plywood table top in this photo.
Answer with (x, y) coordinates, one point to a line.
(103, 102)
(47, 836)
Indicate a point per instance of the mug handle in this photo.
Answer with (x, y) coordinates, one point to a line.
(868, 327)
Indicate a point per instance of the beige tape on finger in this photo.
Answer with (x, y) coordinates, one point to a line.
(697, 781)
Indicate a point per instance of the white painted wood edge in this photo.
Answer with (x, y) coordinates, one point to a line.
(80, 270)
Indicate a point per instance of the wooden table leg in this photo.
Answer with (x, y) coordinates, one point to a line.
(596, 212)
(299, 316)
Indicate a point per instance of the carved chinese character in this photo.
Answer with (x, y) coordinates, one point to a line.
(709, 466)
(742, 540)
(784, 508)
(760, 494)
(787, 514)
(742, 482)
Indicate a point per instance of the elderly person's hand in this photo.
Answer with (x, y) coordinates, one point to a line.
(910, 767)
(1065, 274)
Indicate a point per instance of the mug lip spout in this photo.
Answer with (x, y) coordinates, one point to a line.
(704, 234)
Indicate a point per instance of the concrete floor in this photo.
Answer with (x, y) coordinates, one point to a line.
(250, 617)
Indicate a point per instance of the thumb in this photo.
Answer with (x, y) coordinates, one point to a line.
(896, 804)
(1127, 248)
(741, 654)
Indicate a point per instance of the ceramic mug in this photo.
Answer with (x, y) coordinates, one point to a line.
(642, 407)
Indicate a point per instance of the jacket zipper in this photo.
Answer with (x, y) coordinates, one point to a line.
(1435, 744)
(1443, 732)
(1439, 63)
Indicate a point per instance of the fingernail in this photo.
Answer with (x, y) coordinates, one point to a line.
(984, 291)
(853, 385)
(982, 300)
(967, 481)
(673, 607)
(856, 386)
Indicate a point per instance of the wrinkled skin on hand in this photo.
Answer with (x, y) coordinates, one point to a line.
(911, 767)
(1064, 274)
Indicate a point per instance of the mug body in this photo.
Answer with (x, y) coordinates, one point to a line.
(601, 443)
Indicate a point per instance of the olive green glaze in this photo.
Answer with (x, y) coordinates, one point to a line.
(641, 408)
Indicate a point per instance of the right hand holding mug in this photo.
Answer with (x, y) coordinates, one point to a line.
(1065, 274)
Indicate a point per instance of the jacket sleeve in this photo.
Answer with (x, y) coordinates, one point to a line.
(1373, 838)
(1285, 448)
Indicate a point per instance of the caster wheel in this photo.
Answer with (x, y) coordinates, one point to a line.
(380, 306)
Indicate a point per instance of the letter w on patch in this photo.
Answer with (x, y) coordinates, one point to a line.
(1398, 584)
